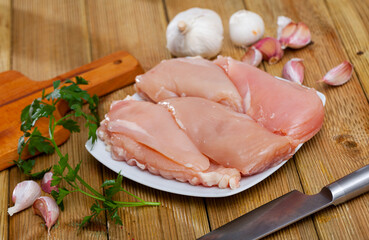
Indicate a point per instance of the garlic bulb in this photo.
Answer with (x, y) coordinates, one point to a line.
(245, 28)
(195, 32)
(46, 183)
(47, 208)
(24, 194)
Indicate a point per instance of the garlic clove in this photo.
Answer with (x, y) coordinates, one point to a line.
(24, 194)
(282, 22)
(295, 35)
(46, 183)
(245, 28)
(339, 75)
(270, 48)
(252, 57)
(47, 208)
(293, 70)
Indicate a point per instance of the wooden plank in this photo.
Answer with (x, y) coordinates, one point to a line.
(139, 27)
(5, 64)
(350, 19)
(53, 38)
(50, 37)
(342, 145)
(223, 210)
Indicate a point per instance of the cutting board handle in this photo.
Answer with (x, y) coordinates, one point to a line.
(104, 75)
(17, 91)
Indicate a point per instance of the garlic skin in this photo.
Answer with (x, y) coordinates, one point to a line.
(270, 48)
(294, 70)
(245, 28)
(252, 57)
(282, 22)
(195, 32)
(47, 208)
(24, 194)
(339, 75)
(295, 35)
(46, 183)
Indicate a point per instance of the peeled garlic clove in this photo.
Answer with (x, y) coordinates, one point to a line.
(295, 35)
(270, 48)
(195, 32)
(47, 208)
(252, 57)
(245, 28)
(282, 22)
(46, 183)
(339, 75)
(24, 194)
(293, 70)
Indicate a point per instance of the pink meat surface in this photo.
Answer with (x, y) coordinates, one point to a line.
(152, 126)
(188, 77)
(283, 107)
(124, 148)
(229, 138)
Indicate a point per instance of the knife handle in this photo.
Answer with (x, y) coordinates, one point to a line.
(350, 186)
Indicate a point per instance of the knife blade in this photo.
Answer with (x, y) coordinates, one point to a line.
(292, 207)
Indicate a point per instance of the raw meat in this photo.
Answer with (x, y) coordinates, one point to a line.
(188, 77)
(229, 138)
(152, 126)
(283, 107)
(125, 148)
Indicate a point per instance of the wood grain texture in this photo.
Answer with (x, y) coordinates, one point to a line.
(53, 37)
(350, 19)
(223, 210)
(103, 76)
(5, 64)
(342, 145)
(134, 26)
(50, 40)
(178, 217)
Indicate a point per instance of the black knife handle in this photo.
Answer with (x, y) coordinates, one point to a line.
(350, 186)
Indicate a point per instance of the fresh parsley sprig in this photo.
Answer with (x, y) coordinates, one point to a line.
(45, 107)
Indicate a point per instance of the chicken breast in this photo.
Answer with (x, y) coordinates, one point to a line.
(188, 77)
(153, 126)
(285, 108)
(124, 148)
(229, 138)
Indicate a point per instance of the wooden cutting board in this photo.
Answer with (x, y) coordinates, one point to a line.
(17, 91)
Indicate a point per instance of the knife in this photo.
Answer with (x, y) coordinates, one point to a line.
(292, 207)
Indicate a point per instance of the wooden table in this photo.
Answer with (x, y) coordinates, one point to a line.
(46, 38)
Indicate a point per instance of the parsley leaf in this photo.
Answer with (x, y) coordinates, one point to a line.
(39, 143)
(45, 107)
(70, 125)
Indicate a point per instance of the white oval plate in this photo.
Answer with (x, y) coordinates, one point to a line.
(173, 186)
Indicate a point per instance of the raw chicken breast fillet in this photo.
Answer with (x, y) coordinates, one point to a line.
(146, 135)
(229, 138)
(283, 107)
(188, 77)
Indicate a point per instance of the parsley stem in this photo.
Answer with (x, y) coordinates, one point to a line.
(122, 189)
(90, 195)
(88, 186)
(61, 119)
(137, 203)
